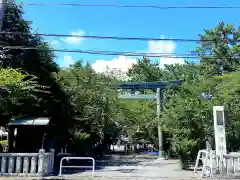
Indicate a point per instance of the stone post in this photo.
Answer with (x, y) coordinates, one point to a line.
(52, 159)
(11, 164)
(33, 167)
(4, 165)
(26, 163)
(19, 164)
(41, 162)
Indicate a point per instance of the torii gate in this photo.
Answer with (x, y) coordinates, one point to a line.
(160, 86)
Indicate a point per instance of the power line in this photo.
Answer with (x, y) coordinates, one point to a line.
(107, 37)
(114, 53)
(97, 52)
(129, 6)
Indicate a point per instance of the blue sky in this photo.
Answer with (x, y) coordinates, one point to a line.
(139, 22)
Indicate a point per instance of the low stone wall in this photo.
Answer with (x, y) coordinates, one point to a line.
(27, 164)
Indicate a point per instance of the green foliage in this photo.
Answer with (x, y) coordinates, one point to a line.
(223, 47)
(187, 117)
(14, 80)
(185, 148)
(14, 89)
(10, 76)
(88, 112)
(144, 70)
(39, 66)
(139, 119)
(95, 111)
(3, 145)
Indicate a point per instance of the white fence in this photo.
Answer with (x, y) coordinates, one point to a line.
(77, 158)
(27, 164)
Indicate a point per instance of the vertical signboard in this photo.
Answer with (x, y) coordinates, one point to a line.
(219, 128)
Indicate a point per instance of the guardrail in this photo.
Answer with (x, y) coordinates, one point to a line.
(77, 158)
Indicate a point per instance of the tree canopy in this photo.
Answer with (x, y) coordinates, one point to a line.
(87, 110)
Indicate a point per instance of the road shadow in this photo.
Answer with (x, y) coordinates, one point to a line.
(115, 160)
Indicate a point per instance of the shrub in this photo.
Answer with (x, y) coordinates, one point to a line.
(3, 145)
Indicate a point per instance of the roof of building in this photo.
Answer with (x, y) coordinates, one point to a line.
(40, 121)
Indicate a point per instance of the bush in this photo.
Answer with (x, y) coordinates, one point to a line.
(186, 150)
(3, 145)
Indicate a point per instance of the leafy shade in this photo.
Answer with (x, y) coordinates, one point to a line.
(14, 89)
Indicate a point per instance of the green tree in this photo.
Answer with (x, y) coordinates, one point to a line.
(14, 90)
(219, 50)
(38, 62)
(186, 119)
(95, 111)
(145, 71)
(188, 116)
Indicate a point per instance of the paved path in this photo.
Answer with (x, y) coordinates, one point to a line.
(138, 167)
(123, 167)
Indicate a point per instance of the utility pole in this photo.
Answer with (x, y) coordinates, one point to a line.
(159, 96)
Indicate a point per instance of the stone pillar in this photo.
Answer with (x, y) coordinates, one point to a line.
(4, 164)
(41, 162)
(46, 164)
(33, 168)
(19, 164)
(52, 159)
(11, 164)
(26, 163)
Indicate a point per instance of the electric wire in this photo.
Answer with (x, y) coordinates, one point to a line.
(128, 6)
(112, 37)
(115, 53)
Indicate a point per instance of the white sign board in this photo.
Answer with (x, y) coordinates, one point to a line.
(219, 128)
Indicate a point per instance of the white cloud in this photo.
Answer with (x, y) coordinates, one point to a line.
(53, 42)
(121, 64)
(118, 66)
(67, 61)
(75, 40)
(166, 48)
